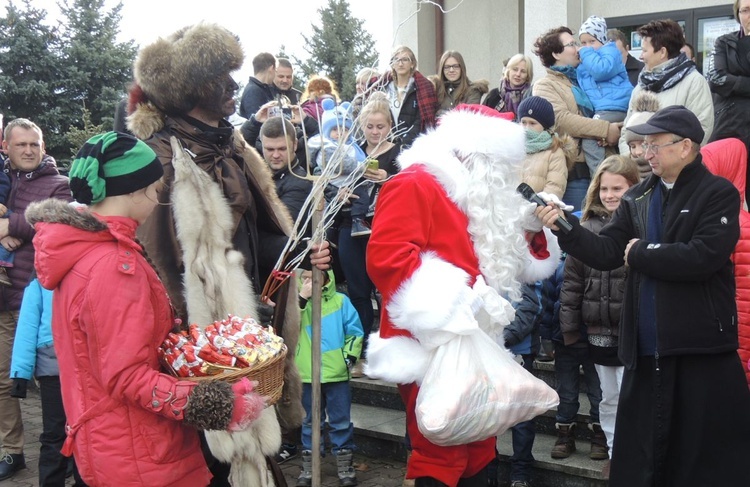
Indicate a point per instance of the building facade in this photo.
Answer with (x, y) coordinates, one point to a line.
(487, 32)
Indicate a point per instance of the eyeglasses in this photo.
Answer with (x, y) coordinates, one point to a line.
(451, 67)
(655, 148)
(744, 11)
(400, 60)
(572, 44)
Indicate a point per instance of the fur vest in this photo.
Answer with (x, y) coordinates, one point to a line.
(219, 215)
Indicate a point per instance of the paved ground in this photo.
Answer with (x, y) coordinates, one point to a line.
(371, 472)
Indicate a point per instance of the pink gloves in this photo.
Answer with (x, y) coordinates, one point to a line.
(247, 405)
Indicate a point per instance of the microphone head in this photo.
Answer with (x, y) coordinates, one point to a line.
(526, 191)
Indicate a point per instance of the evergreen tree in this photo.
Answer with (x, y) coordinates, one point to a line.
(339, 47)
(31, 78)
(99, 68)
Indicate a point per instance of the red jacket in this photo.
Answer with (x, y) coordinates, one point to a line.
(728, 158)
(110, 313)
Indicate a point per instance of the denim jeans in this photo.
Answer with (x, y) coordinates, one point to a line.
(353, 252)
(568, 361)
(523, 440)
(52, 464)
(575, 192)
(336, 403)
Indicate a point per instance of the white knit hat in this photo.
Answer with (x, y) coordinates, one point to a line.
(596, 27)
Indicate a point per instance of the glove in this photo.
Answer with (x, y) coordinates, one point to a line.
(247, 405)
(19, 388)
(265, 312)
(350, 361)
(529, 220)
(551, 198)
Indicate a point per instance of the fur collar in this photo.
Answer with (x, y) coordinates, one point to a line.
(58, 211)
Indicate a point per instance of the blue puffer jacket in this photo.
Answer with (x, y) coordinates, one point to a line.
(602, 75)
(32, 348)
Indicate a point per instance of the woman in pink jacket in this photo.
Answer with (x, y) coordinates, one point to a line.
(128, 424)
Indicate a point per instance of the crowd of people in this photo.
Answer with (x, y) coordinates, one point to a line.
(643, 300)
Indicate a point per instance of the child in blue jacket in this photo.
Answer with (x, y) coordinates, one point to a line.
(34, 355)
(602, 75)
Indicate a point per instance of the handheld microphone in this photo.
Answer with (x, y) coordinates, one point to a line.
(530, 195)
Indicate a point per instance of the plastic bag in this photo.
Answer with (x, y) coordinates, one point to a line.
(474, 389)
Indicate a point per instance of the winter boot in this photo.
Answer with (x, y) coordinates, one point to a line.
(566, 442)
(599, 448)
(347, 475)
(305, 475)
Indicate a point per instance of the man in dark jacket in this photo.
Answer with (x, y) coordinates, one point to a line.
(684, 416)
(34, 177)
(279, 142)
(259, 88)
(632, 65)
(284, 80)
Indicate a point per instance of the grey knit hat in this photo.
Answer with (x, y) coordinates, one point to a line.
(596, 27)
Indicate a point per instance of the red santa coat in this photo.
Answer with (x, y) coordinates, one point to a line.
(728, 158)
(424, 262)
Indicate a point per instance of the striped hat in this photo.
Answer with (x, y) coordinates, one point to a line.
(112, 164)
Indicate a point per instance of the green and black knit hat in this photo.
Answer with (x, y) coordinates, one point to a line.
(112, 164)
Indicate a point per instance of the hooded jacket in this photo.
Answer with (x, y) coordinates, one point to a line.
(728, 158)
(43, 182)
(603, 77)
(33, 352)
(110, 314)
(341, 336)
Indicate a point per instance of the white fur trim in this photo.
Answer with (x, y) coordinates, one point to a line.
(437, 297)
(459, 135)
(246, 450)
(543, 268)
(402, 360)
(215, 280)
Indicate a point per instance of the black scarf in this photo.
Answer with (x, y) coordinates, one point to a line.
(672, 73)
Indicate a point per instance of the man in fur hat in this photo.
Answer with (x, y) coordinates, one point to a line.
(449, 245)
(218, 216)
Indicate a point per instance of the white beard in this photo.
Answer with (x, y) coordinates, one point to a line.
(492, 206)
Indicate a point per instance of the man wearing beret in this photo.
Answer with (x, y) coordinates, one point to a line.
(684, 415)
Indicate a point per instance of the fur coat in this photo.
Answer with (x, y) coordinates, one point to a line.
(226, 190)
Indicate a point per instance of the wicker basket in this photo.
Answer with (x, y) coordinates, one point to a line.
(269, 375)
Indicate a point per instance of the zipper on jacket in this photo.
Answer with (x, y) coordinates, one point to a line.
(656, 360)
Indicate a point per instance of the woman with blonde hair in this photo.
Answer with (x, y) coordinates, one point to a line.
(375, 124)
(318, 89)
(411, 96)
(453, 86)
(515, 85)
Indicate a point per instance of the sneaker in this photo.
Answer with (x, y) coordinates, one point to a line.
(305, 474)
(520, 483)
(360, 228)
(287, 452)
(4, 279)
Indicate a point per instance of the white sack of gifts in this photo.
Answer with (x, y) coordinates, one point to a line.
(474, 389)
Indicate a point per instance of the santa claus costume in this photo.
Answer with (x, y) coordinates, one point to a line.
(451, 236)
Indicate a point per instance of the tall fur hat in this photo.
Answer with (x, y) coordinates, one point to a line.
(174, 73)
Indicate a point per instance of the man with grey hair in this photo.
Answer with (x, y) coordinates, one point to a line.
(34, 177)
(676, 232)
